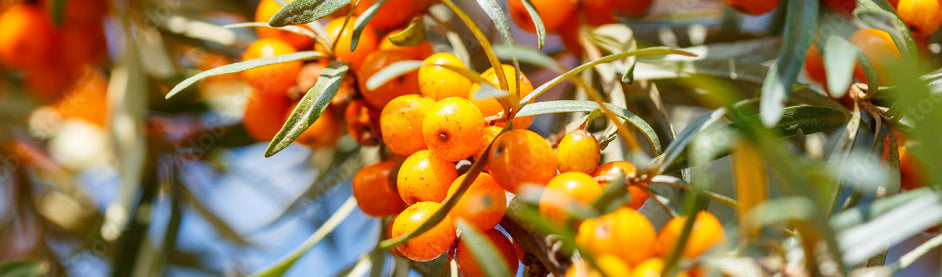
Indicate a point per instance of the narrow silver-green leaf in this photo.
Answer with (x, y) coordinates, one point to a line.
(800, 24)
(412, 35)
(488, 258)
(893, 227)
(304, 11)
(242, 66)
(537, 22)
(23, 268)
(679, 145)
(569, 106)
(528, 55)
(362, 20)
(390, 72)
(839, 58)
(901, 35)
(293, 29)
(310, 107)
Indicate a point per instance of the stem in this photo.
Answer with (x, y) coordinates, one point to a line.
(715, 196)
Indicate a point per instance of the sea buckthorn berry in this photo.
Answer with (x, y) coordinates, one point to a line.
(365, 46)
(87, 99)
(578, 151)
(362, 123)
(323, 133)
(264, 115)
(430, 244)
(814, 66)
(266, 9)
(553, 12)
(374, 187)
(418, 52)
(638, 191)
(491, 106)
(275, 78)
(490, 133)
(611, 265)
(438, 82)
(922, 16)
(87, 44)
(610, 233)
(632, 7)
(47, 82)
(468, 265)
(753, 7)
(707, 232)
(521, 157)
(912, 171)
(453, 129)
(566, 190)
(375, 62)
(844, 7)
(652, 268)
(483, 204)
(28, 38)
(569, 35)
(597, 12)
(393, 14)
(879, 47)
(401, 123)
(425, 177)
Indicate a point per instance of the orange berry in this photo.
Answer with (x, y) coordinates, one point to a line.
(490, 133)
(87, 99)
(611, 265)
(323, 133)
(402, 85)
(418, 52)
(491, 107)
(814, 66)
(598, 12)
(439, 82)
(633, 7)
(922, 16)
(48, 82)
(87, 44)
(553, 12)
(578, 151)
(374, 187)
(363, 123)
(264, 115)
(483, 204)
(565, 190)
(271, 79)
(81, 12)
(266, 9)
(393, 14)
(401, 123)
(652, 267)
(879, 47)
(569, 35)
(911, 169)
(453, 129)
(365, 46)
(638, 194)
(430, 244)
(521, 157)
(844, 7)
(28, 39)
(468, 265)
(425, 177)
(753, 7)
(610, 233)
(707, 232)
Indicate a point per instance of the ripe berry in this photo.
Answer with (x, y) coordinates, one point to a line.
(430, 244)
(401, 123)
(653, 267)
(468, 265)
(418, 52)
(632, 7)
(374, 187)
(28, 38)
(453, 129)
(521, 157)
(844, 7)
(922, 16)
(814, 66)
(490, 133)
(753, 7)
(578, 151)
(707, 232)
(425, 177)
(363, 123)
(912, 171)
(483, 204)
(566, 190)
(271, 79)
(393, 14)
(610, 233)
(637, 190)
(87, 99)
(597, 12)
(554, 13)
(365, 46)
(266, 9)
(879, 47)
(438, 82)
(402, 85)
(611, 265)
(264, 115)
(491, 107)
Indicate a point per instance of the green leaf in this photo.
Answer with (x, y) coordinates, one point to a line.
(891, 228)
(485, 253)
(781, 210)
(293, 29)
(569, 106)
(390, 72)
(23, 268)
(528, 55)
(286, 262)
(304, 11)
(362, 20)
(809, 120)
(412, 35)
(800, 24)
(613, 196)
(678, 147)
(537, 22)
(310, 107)
(242, 66)
(852, 217)
(885, 12)
(493, 11)
(839, 59)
